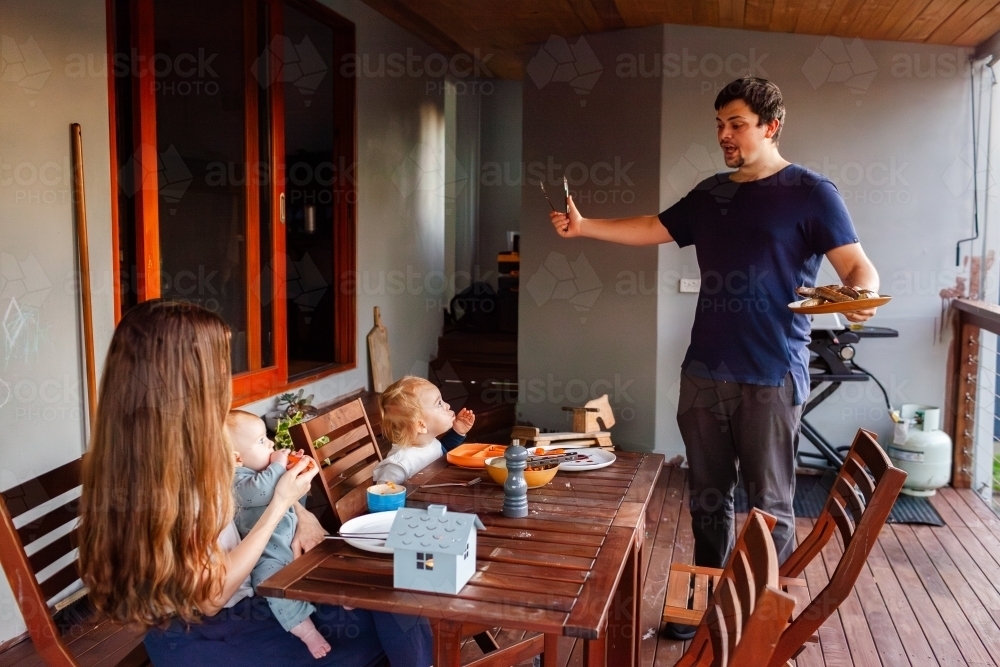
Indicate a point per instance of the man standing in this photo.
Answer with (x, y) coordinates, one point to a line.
(759, 232)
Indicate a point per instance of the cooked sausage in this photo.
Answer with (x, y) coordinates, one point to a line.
(830, 293)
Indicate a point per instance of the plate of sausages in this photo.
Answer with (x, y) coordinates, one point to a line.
(836, 299)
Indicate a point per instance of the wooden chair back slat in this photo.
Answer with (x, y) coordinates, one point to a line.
(43, 488)
(743, 576)
(354, 502)
(45, 524)
(860, 536)
(731, 631)
(354, 436)
(349, 497)
(866, 447)
(849, 497)
(66, 576)
(844, 523)
(759, 546)
(854, 469)
(333, 422)
(728, 602)
(338, 486)
(344, 464)
(719, 634)
(352, 452)
(49, 554)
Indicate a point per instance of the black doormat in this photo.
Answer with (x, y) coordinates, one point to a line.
(811, 492)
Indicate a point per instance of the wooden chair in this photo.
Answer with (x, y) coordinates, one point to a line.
(747, 612)
(87, 643)
(352, 452)
(859, 503)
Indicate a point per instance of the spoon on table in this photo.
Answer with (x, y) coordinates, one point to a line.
(471, 482)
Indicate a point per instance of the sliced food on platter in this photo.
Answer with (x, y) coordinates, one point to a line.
(595, 458)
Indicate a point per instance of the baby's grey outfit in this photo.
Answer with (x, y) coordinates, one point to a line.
(253, 491)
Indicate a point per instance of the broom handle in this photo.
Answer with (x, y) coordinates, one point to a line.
(80, 208)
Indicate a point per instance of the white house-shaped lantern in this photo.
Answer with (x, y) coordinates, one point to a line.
(433, 550)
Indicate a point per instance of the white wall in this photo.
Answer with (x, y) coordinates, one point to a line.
(896, 140)
(400, 222)
(586, 326)
(41, 93)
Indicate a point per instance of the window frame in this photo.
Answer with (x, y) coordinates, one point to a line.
(258, 382)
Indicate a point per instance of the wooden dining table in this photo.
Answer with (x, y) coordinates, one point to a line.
(571, 568)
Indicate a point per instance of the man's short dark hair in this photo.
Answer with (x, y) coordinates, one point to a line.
(762, 96)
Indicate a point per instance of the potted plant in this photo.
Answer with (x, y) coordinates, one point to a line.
(296, 402)
(288, 405)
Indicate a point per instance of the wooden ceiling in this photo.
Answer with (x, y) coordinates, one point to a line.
(509, 29)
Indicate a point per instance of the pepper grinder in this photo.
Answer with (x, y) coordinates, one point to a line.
(515, 489)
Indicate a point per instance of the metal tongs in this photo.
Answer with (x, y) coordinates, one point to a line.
(565, 191)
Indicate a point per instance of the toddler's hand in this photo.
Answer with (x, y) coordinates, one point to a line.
(464, 421)
(280, 456)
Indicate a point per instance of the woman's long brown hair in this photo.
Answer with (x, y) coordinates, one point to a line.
(157, 480)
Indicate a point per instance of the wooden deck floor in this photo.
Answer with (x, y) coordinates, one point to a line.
(928, 596)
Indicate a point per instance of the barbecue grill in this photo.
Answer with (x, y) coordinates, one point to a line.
(831, 363)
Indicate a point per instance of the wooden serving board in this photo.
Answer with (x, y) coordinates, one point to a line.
(533, 438)
(378, 350)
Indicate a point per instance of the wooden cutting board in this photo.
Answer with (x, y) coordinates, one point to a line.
(378, 350)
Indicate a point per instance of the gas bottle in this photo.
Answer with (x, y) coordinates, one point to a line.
(921, 449)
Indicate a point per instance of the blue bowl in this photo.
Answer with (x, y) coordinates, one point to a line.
(383, 499)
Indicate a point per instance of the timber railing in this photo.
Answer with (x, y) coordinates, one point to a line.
(972, 402)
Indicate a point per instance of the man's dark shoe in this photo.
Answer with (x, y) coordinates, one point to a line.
(679, 631)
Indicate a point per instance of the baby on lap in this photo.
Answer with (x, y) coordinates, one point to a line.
(258, 468)
(413, 417)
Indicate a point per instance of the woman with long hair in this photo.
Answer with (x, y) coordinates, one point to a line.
(157, 542)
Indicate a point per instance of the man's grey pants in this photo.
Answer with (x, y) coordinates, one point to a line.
(731, 428)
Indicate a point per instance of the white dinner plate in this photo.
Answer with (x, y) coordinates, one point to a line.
(378, 523)
(596, 458)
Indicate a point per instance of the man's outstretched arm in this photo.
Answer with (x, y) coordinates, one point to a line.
(855, 269)
(640, 230)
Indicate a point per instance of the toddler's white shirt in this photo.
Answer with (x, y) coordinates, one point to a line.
(402, 463)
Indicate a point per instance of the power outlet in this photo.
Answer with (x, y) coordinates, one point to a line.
(690, 285)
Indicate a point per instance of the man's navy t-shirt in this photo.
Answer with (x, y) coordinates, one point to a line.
(757, 242)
